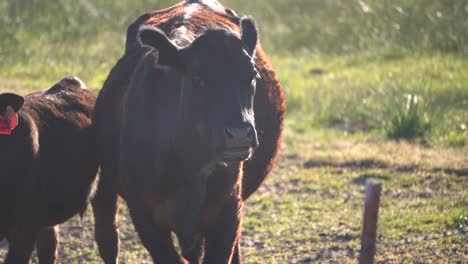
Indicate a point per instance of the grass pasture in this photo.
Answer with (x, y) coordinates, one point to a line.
(359, 76)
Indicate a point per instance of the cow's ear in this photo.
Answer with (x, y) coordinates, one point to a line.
(249, 34)
(14, 101)
(168, 52)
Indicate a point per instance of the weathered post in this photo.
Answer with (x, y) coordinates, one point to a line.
(369, 223)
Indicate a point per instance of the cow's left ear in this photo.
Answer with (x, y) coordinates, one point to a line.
(168, 52)
(249, 34)
(14, 101)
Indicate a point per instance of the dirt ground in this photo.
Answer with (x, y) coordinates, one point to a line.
(310, 209)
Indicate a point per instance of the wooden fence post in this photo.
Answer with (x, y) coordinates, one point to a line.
(369, 225)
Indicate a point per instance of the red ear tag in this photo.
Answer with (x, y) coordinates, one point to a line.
(14, 121)
(5, 127)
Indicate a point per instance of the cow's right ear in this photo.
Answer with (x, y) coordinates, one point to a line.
(9, 99)
(168, 52)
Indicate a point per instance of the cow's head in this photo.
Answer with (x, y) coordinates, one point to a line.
(219, 73)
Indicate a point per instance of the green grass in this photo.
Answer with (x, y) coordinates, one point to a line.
(333, 26)
(315, 200)
(348, 68)
(387, 52)
(365, 91)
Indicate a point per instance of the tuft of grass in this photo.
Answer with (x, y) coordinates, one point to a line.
(410, 121)
(458, 218)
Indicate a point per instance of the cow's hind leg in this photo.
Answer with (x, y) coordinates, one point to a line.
(105, 207)
(47, 244)
(157, 240)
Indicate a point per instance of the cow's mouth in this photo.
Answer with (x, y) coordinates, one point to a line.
(237, 154)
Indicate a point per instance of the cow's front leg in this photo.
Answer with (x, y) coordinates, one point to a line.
(21, 245)
(47, 244)
(223, 237)
(191, 248)
(156, 239)
(236, 256)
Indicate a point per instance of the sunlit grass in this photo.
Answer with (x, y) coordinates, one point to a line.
(365, 91)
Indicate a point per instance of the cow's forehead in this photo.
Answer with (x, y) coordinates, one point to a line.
(220, 58)
(218, 67)
(219, 42)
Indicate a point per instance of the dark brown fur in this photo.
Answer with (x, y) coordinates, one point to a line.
(164, 206)
(48, 169)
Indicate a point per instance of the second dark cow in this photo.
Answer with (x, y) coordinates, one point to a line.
(48, 166)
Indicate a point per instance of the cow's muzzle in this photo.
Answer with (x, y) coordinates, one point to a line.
(239, 143)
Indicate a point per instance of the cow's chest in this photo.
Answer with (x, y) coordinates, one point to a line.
(190, 207)
(183, 210)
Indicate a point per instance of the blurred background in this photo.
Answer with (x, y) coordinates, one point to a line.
(375, 89)
(396, 65)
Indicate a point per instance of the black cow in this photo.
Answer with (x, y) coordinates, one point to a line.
(188, 123)
(48, 166)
